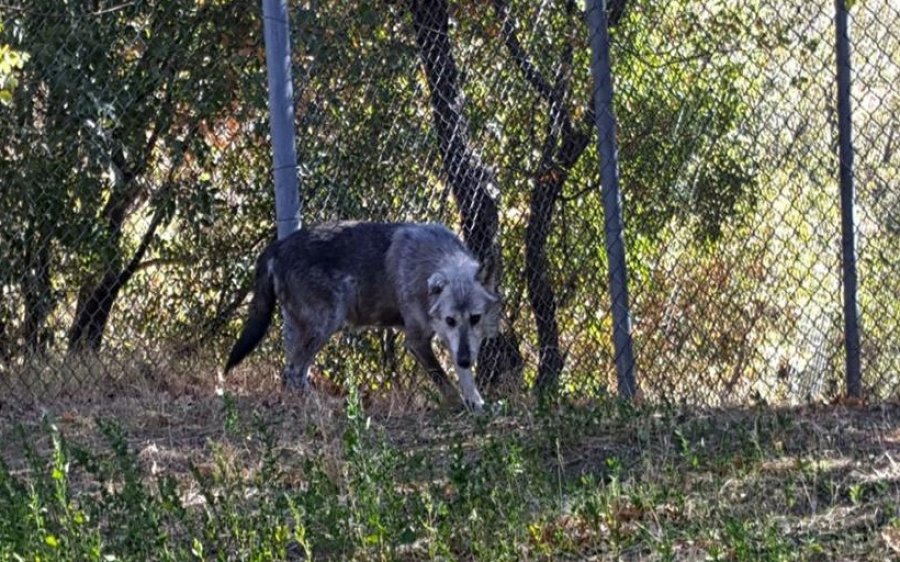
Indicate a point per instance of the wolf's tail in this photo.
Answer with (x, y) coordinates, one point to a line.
(262, 305)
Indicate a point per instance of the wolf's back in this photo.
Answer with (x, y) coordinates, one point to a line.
(262, 305)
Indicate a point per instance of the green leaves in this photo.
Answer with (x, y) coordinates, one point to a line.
(679, 104)
(11, 61)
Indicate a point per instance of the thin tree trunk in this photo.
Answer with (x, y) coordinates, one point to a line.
(554, 172)
(92, 313)
(540, 291)
(470, 181)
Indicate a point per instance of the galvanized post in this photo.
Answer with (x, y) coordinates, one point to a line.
(598, 28)
(281, 116)
(848, 222)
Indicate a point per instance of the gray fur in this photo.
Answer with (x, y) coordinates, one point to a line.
(417, 277)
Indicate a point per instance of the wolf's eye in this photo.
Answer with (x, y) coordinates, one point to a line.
(474, 319)
(450, 321)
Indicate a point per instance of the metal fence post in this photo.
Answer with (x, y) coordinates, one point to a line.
(848, 222)
(598, 28)
(281, 116)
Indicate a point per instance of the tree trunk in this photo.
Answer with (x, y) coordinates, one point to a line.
(92, 312)
(38, 299)
(95, 302)
(471, 182)
(96, 298)
(540, 291)
(547, 190)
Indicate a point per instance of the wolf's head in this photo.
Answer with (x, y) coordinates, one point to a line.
(462, 310)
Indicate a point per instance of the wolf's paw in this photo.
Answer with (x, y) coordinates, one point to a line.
(294, 381)
(476, 407)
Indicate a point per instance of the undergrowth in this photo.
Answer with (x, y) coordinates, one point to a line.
(607, 481)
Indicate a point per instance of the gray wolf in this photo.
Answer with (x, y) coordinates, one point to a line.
(413, 276)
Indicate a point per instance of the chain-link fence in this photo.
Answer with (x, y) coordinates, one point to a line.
(135, 184)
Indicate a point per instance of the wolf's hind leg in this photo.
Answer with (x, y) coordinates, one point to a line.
(313, 329)
(307, 344)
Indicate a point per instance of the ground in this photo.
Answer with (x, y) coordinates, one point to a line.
(162, 471)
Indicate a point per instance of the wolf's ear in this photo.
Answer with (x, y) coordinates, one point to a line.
(490, 297)
(490, 324)
(436, 283)
(485, 276)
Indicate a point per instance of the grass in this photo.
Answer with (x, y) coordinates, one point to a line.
(149, 475)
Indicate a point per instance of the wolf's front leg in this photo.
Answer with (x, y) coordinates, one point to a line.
(470, 391)
(420, 347)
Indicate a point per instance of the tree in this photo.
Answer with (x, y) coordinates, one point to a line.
(563, 144)
(115, 99)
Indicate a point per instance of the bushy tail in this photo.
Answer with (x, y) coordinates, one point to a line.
(262, 305)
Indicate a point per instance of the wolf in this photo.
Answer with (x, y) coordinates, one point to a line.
(418, 277)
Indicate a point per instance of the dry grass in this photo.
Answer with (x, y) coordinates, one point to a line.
(175, 414)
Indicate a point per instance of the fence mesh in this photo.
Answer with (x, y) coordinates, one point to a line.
(136, 184)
